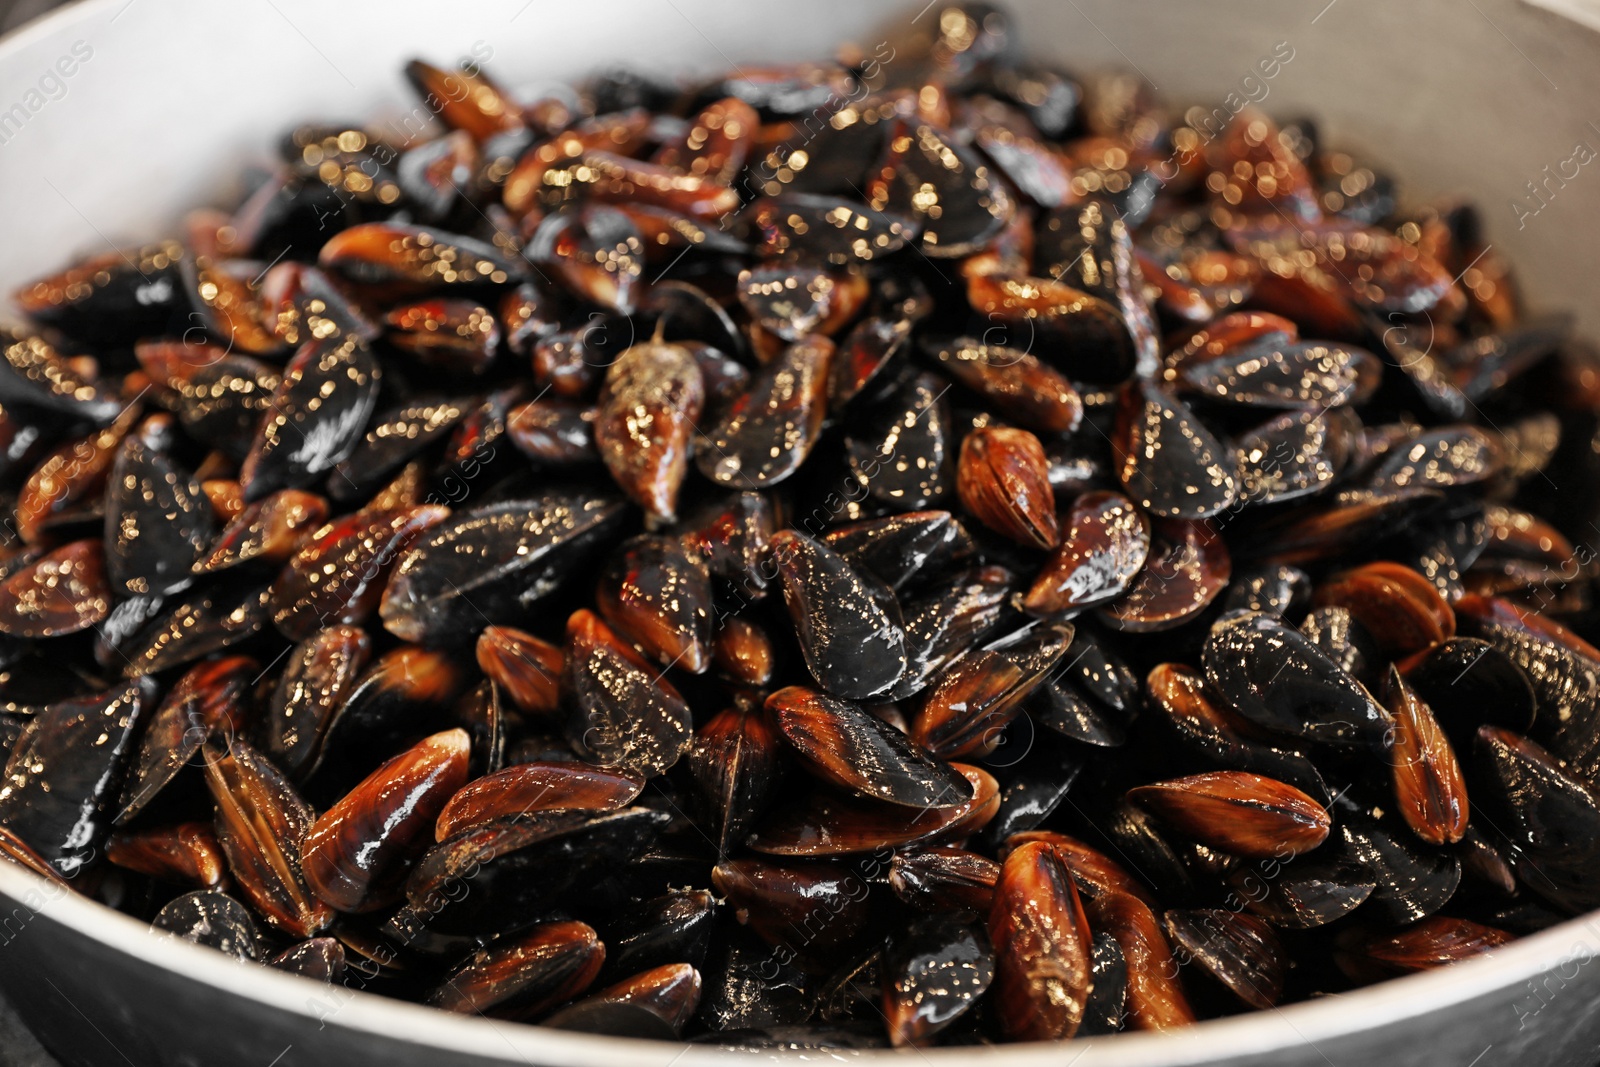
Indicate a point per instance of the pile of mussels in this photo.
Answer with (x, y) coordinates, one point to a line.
(893, 550)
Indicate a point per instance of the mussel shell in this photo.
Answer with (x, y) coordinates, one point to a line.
(831, 825)
(947, 620)
(849, 625)
(62, 777)
(1187, 568)
(1412, 882)
(206, 619)
(492, 564)
(943, 879)
(356, 853)
(260, 823)
(501, 876)
(210, 698)
(396, 436)
(901, 450)
(660, 595)
(212, 918)
(61, 592)
(1469, 683)
(336, 576)
(158, 520)
(1275, 677)
(735, 762)
(767, 432)
(646, 420)
(1240, 951)
(946, 187)
(845, 745)
(34, 374)
(320, 673)
(528, 788)
(1171, 465)
(315, 419)
(1106, 544)
(934, 972)
(525, 976)
(1551, 817)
